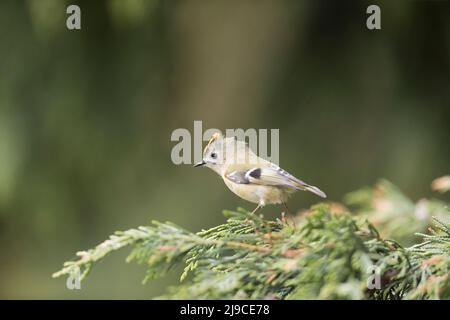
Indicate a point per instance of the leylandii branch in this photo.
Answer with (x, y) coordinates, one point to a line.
(328, 252)
(161, 240)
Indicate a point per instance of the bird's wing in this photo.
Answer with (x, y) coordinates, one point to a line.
(237, 173)
(275, 176)
(263, 175)
(271, 175)
(237, 177)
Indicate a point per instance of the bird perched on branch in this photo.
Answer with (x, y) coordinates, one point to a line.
(249, 176)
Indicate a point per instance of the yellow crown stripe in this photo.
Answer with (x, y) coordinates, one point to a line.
(214, 137)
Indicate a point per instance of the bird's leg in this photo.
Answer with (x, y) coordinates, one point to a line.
(287, 209)
(256, 209)
(283, 217)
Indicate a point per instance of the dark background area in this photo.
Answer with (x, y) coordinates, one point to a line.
(86, 116)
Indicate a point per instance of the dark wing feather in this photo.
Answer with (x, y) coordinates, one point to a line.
(238, 177)
(271, 176)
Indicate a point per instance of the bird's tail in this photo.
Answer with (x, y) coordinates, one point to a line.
(314, 190)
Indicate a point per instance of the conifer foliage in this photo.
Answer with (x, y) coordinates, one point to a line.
(359, 250)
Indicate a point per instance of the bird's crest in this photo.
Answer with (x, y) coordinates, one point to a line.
(214, 137)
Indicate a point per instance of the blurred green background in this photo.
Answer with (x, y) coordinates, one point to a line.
(86, 116)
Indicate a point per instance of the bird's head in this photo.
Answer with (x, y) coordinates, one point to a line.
(221, 151)
(213, 155)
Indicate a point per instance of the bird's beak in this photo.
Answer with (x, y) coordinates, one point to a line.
(201, 163)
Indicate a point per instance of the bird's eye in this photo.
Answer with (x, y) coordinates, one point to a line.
(213, 155)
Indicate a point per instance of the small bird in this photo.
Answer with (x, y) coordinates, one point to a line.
(250, 177)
